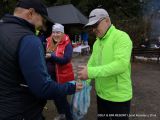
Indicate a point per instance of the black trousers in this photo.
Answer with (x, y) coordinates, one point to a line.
(21, 117)
(62, 104)
(108, 110)
(63, 107)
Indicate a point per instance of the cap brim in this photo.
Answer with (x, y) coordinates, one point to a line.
(91, 23)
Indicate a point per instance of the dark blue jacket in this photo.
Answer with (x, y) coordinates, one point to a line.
(24, 81)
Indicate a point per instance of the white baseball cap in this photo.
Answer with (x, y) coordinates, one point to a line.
(58, 28)
(96, 15)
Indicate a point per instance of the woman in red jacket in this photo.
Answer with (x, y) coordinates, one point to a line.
(59, 55)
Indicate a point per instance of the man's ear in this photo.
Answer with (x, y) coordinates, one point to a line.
(31, 11)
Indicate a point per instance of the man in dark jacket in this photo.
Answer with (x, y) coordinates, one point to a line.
(24, 81)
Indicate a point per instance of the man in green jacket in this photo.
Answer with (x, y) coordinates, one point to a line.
(110, 66)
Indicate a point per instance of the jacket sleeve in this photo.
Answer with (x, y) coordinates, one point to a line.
(33, 66)
(122, 54)
(66, 58)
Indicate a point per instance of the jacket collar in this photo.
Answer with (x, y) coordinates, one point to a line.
(17, 20)
(64, 39)
(108, 32)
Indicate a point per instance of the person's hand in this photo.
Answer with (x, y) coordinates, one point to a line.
(79, 86)
(82, 72)
(48, 55)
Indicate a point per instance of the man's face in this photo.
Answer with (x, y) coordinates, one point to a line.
(99, 29)
(39, 22)
(36, 19)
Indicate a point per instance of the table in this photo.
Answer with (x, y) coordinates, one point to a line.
(80, 48)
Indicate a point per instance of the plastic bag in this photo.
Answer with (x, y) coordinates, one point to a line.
(81, 101)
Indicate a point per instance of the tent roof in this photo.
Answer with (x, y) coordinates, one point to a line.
(66, 14)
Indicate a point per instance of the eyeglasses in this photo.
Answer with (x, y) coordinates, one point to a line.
(96, 24)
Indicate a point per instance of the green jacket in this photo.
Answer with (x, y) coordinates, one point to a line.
(110, 66)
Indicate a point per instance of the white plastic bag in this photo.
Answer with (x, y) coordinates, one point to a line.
(81, 101)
